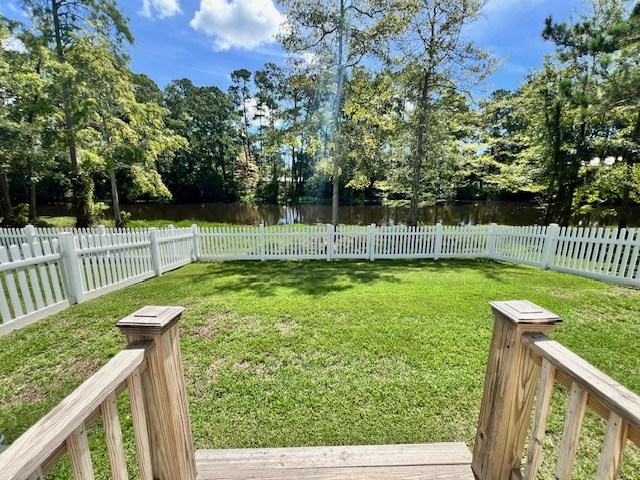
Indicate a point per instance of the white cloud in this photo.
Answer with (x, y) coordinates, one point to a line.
(160, 8)
(238, 23)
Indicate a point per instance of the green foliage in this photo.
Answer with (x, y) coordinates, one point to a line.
(125, 218)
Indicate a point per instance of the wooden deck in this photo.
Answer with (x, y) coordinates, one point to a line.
(432, 461)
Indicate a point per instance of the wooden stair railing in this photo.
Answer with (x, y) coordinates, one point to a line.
(523, 357)
(150, 368)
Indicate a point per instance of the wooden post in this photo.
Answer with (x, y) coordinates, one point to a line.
(165, 396)
(509, 389)
(71, 273)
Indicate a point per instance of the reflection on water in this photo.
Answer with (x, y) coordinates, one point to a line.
(504, 213)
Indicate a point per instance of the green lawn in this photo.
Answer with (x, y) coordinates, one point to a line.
(319, 353)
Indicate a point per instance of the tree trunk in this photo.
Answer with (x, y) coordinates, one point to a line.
(82, 184)
(115, 199)
(5, 198)
(32, 200)
(416, 180)
(336, 116)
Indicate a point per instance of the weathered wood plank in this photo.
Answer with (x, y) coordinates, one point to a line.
(615, 440)
(543, 403)
(426, 472)
(140, 431)
(113, 436)
(356, 462)
(336, 456)
(79, 454)
(571, 432)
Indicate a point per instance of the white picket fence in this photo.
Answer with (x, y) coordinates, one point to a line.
(45, 270)
(51, 269)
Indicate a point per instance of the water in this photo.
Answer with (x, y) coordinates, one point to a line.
(504, 213)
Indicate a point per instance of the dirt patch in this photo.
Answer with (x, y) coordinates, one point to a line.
(84, 367)
(214, 370)
(285, 327)
(257, 369)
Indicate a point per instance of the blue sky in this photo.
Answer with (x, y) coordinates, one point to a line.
(205, 40)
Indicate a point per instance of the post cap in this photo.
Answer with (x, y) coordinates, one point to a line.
(523, 311)
(150, 321)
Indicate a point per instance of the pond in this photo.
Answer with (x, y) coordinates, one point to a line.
(505, 213)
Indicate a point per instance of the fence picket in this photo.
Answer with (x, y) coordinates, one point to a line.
(49, 248)
(46, 287)
(33, 277)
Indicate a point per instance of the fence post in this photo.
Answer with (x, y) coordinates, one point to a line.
(438, 243)
(548, 250)
(155, 251)
(371, 241)
(163, 392)
(71, 273)
(102, 230)
(195, 254)
(491, 240)
(263, 252)
(509, 389)
(330, 231)
(30, 234)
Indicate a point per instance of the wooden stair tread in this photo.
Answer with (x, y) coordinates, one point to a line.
(358, 462)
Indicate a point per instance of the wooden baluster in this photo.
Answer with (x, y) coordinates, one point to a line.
(139, 419)
(615, 439)
(78, 448)
(509, 389)
(113, 435)
(571, 432)
(543, 403)
(165, 398)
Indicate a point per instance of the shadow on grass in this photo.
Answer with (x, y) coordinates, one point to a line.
(320, 278)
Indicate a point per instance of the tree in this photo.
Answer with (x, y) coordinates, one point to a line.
(580, 49)
(62, 24)
(206, 117)
(436, 60)
(123, 132)
(240, 93)
(339, 33)
(373, 112)
(25, 121)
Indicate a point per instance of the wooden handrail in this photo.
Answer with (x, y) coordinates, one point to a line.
(42, 440)
(606, 395)
(522, 357)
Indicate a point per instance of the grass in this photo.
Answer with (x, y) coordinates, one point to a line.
(318, 353)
